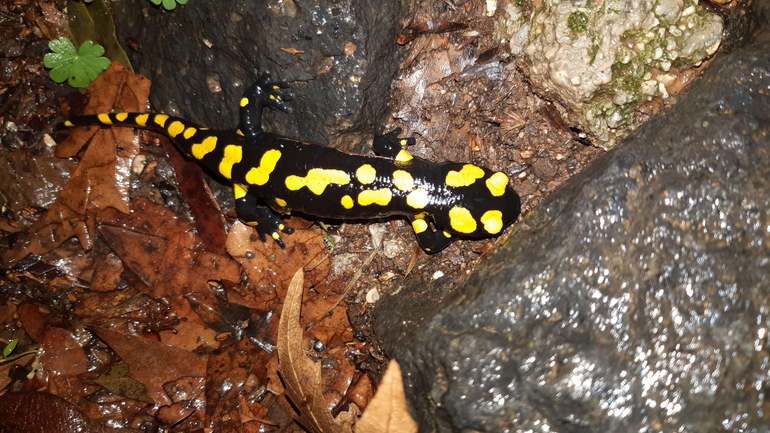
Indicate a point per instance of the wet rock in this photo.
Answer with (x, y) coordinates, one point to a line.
(635, 299)
(202, 55)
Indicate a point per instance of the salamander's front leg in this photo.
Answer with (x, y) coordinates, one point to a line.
(260, 217)
(391, 145)
(263, 93)
(430, 240)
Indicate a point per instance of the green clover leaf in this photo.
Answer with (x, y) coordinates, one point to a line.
(169, 4)
(78, 67)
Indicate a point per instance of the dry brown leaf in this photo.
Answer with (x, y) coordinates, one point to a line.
(387, 412)
(153, 363)
(269, 270)
(242, 367)
(42, 412)
(61, 354)
(301, 376)
(207, 216)
(268, 266)
(162, 251)
(191, 333)
(100, 179)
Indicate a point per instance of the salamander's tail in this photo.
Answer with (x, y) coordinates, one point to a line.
(172, 126)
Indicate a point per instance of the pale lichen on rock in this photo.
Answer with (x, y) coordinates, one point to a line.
(599, 61)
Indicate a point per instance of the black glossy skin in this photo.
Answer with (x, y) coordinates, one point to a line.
(294, 159)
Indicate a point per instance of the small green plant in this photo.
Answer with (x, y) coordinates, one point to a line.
(8, 349)
(78, 67)
(167, 4)
(577, 21)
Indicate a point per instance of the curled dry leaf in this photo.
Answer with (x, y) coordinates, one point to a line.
(301, 376)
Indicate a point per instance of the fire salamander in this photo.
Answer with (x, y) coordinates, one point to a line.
(273, 175)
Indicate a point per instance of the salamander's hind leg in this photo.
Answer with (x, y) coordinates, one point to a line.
(430, 239)
(267, 222)
(391, 145)
(263, 93)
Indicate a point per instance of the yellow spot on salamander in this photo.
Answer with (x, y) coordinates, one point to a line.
(366, 174)
(104, 118)
(244, 102)
(419, 226)
(493, 221)
(68, 124)
(141, 119)
(280, 202)
(347, 202)
(403, 156)
(189, 132)
(403, 180)
(121, 117)
(203, 148)
(232, 155)
(239, 191)
(317, 179)
(381, 197)
(275, 235)
(446, 234)
(465, 177)
(260, 175)
(417, 199)
(461, 220)
(497, 184)
(239, 132)
(160, 120)
(175, 128)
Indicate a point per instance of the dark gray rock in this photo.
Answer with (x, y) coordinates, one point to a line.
(636, 299)
(202, 55)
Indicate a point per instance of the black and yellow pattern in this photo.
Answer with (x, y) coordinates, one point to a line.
(442, 201)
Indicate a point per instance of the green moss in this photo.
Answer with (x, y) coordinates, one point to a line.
(577, 21)
(627, 76)
(593, 50)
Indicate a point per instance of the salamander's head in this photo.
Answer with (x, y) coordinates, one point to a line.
(499, 205)
(486, 203)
